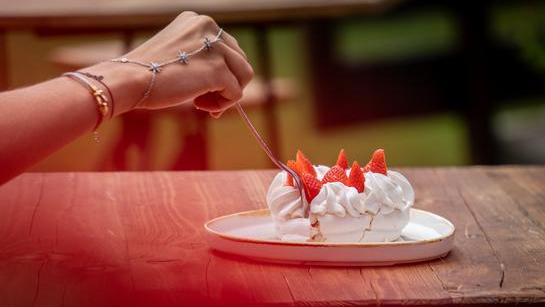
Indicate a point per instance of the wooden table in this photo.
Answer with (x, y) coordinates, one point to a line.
(135, 239)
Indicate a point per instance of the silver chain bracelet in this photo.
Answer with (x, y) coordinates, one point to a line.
(182, 58)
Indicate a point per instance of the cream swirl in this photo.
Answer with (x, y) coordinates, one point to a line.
(387, 193)
(320, 171)
(287, 210)
(337, 199)
(283, 201)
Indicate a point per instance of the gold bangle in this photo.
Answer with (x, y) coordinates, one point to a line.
(101, 99)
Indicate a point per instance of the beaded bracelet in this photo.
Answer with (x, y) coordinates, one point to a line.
(101, 99)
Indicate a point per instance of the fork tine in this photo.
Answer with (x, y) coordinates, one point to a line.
(271, 156)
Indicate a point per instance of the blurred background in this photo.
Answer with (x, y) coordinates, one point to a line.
(432, 82)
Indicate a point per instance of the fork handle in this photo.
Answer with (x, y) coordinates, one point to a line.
(271, 156)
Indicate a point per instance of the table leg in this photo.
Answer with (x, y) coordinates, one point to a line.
(324, 72)
(194, 154)
(264, 63)
(136, 127)
(128, 40)
(135, 131)
(474, 27)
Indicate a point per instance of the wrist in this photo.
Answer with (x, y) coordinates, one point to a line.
(127, 84)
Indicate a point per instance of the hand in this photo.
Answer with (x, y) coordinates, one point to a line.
(213, 80)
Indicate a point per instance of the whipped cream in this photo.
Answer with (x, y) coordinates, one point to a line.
(337, 199)
(287, 210)
(378, 214)
(387, 193)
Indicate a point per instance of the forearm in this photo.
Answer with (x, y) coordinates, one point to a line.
(38, 120)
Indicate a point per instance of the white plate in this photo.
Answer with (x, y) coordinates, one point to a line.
(251, 234)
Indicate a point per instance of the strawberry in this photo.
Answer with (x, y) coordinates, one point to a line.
(304, 164)
(377, 163)
(335, 174)
(356, 178)
(289, 179)
(341, 160)
(312, 186)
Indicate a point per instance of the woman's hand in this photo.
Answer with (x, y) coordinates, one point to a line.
(212, 79)
(37, 120)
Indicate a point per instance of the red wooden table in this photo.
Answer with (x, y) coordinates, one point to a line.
(135, 239)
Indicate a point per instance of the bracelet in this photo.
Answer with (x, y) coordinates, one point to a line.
(99, 79)
(98, 95)
(182, 58)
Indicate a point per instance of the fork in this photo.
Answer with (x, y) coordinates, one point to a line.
(271, 156)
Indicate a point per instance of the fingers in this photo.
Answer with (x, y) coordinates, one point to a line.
(232, 91)
(208, 23)
(228, 93)
(211, 25)
(187, 14)
(237, 64)
(209, 102)
(233, 43)
(230, 72)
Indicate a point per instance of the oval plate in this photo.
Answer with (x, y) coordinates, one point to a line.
(251, 234)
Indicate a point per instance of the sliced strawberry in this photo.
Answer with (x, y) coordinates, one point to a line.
(335, 174)
(341, 160)
(304, 164)
(312, 186)
(289, 179)
(356, 178)
(377, 163)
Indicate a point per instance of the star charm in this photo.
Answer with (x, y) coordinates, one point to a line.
(183, 57)
(154, 67)
(207, 43)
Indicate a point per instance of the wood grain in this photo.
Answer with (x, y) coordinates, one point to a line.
(115, 239)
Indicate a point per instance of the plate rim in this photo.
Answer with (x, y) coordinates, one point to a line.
(266, 211)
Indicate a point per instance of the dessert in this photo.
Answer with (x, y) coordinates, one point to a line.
(347, 203)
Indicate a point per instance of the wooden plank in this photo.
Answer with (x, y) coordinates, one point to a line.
(168, 218)
(517, 244)
(527, 188)
(61, 245)
(471, 266)
(18, 279)
(110, 239)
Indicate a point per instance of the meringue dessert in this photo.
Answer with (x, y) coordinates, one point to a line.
(345, 204)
